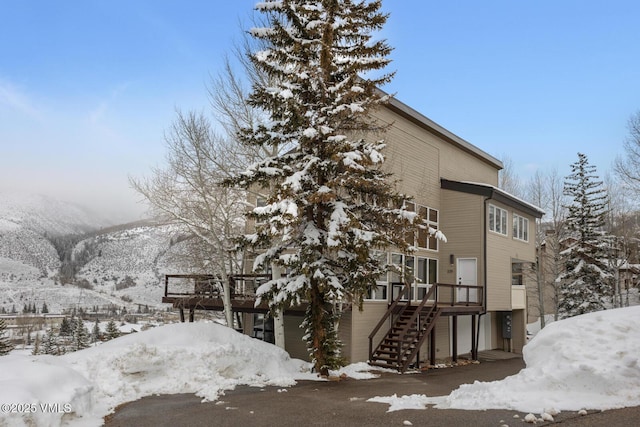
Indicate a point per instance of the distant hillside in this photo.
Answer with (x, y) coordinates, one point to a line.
(48, 216)
(29, 227)
(63, 254)
(130, 262)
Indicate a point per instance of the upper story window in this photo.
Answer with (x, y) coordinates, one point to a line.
(261, 202)
(520, 228)
(426, 240)
(497, 220)
(409, 236)
(422, 238)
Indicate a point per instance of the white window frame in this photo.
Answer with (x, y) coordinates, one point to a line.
(261, 201)
(498, 220)
(426, 282)
(380, 291)
(520, 228)
(433, 224)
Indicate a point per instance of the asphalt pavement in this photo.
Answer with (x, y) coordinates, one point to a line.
(344, 403)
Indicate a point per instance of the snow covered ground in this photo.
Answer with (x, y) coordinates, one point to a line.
(585, 362)
(588, 362)
(200, 358)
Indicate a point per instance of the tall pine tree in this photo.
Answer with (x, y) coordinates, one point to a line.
(583, 285)
(329, 201)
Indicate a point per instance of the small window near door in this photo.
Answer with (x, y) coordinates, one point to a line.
(517, 276)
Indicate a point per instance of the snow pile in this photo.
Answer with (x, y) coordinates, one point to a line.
(588, 361)
(200, 358)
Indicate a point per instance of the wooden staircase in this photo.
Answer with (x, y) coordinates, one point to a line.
(410, 328)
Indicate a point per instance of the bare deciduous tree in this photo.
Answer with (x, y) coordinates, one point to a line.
(187, 191)
(620, 225)
(627, 167)
(545, 189)
(508, 179)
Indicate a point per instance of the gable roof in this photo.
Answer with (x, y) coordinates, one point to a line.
(429, 125)
(493, 193)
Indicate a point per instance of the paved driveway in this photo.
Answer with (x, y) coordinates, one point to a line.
(343, 403)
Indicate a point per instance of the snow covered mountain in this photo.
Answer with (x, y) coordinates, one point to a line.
(28, 225)
(66, 256)
(46, 215)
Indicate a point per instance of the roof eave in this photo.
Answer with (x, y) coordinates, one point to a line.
(493, 193)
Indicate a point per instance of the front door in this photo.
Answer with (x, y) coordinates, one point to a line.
(468, 276)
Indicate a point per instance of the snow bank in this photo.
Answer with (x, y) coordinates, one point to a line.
(200, 358)
(588, 361)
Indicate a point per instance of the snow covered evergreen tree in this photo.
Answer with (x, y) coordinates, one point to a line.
(95, 332)
(329, 201)
(50, 345)
(65, 328)
(112, 330)
(80, 335)
(584, 284)
(5, 344)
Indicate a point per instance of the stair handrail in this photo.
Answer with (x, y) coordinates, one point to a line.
(413, 321)
(436, 311)
(392, 306)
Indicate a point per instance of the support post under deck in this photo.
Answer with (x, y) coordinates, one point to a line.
(432, 347)
(474, 343)
(454, 343)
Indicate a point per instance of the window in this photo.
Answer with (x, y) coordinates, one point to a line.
(426, 275)
(421, 272)
(517, 276)
(261, 202)
(520, 228)
(379, 291)
(497, 220)
(425, 240)
(409, 236)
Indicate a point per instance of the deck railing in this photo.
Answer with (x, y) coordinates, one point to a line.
(242, 286)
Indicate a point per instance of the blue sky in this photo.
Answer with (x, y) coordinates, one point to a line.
(87, 88)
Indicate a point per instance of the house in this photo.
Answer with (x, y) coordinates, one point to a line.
(469, 294)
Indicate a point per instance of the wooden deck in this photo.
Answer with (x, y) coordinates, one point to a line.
(204, 292)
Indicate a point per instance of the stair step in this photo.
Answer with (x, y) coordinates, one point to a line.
(394, 345)
(393, 350)
(384, 365)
